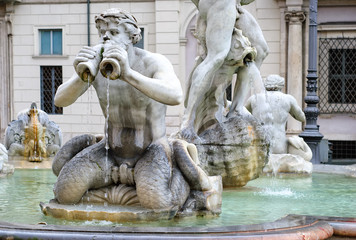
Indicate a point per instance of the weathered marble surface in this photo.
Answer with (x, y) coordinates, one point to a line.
(113, 213)
(96, 206)
(134, 164)
(287, 163)
(272, 110)
(5, 167)
(218, 59)
(236, 149)
(3, 155)
(228, 140)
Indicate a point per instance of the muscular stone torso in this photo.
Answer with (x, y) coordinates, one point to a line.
(134, 120)
(273, 110)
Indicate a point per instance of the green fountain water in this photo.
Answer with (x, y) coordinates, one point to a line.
(265, 199)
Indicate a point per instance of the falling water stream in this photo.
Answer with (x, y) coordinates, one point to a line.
(89, 114)
(107, 147)
(89, 111)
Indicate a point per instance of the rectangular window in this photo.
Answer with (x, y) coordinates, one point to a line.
(51, 78)
(342, 76)
(51, 42)
(337, 75)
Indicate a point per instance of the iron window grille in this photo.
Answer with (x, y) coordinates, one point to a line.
(51, 78)
(337, 75)
(343, 149)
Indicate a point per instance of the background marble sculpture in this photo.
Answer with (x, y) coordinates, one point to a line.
(33, 135)
(232, 146)
(5, 167)
(287, 154)
(222, 52)
(135, 157)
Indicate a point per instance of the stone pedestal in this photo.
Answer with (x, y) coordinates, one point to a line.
(287, 163)
(236, 150)
(122, 213)
(113, 213)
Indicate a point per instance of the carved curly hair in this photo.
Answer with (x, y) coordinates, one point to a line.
(274, 82)
(121, 17)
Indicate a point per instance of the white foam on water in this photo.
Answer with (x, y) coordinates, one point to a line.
(284, 192)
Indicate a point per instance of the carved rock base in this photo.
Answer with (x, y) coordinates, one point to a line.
(117, 213)
(288, 163)
(236, 149)
(113, 213)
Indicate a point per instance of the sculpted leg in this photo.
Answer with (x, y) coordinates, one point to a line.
(297, 146)
(250, 28)
(89, 169)
(241, 91)
(218, 34)
(70, 149)
(159, 185)
(206, 190)
(186, 155)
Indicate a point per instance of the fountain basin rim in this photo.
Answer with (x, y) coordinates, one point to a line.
(289, 227)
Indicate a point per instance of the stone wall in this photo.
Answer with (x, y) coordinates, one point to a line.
(166, 23)
(5, 68)
(85, 115)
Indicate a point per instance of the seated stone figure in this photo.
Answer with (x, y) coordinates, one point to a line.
(135, 156)
(287, 154)
(33, 135)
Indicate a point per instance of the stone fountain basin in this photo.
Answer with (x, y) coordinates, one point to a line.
(101, 212)
(289, 227)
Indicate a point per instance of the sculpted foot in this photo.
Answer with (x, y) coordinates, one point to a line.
(238, 112)
(189, 135)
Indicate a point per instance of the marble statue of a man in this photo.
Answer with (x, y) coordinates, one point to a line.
(135, 107)
(272, 110)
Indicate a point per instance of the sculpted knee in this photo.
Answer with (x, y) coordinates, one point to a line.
(66, 193)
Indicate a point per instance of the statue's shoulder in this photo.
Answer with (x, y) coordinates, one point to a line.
(151, 58)
(143, 53)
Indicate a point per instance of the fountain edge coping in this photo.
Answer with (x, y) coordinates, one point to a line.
(289, 227)
(347, 170)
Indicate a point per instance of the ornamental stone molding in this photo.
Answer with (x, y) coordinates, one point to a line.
(295, 17)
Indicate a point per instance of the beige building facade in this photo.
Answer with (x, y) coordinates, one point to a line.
(167, 29)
